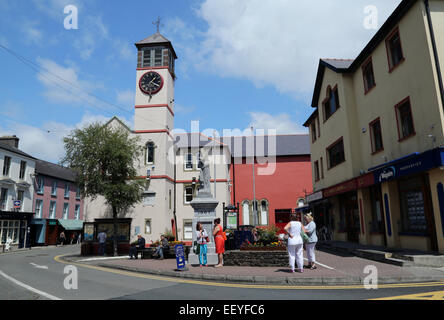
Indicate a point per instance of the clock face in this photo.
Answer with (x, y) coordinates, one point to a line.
(151, 82)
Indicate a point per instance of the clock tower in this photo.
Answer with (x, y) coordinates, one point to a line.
(153, 122)
(155, 84)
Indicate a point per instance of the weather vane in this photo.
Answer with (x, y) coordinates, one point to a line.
(157, 24)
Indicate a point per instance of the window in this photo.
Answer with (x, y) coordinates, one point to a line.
(188, 230)
(188, 194)
(376, 136)
(153, 57)
(52, 210)
(369, 76)
(322, 168)
(148, 226)
(67, 190)
(394, 50)
(169, 199)
(6, 166)
(78, 193)
(149, 199)
(38, 208)
(54, 188)
(3, 199)
(40, 182)
(263, 213)
(22, 170)
(331, 102)
(313, 131)
(21, 197)
(246, 212)
(335, 154)
(404, 119)
(9, 229)
(65, 211)
(77, 212)
(414, 200)
(150, 152)
(316, 170)
(189, 161)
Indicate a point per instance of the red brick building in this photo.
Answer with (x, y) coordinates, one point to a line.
(282, 179)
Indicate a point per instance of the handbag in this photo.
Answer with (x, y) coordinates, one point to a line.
(304, 236)
(224, 236)
(196, 248)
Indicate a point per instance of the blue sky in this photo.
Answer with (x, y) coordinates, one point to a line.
(241, 62)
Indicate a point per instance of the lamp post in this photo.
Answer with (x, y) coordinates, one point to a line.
(254, 180)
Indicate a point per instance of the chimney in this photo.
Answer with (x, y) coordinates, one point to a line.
(11, 141)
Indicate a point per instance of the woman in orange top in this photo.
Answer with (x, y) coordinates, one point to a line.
(220, 242)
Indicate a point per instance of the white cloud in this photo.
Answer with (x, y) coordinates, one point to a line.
(282, 123)
(46, 142)
(280, 42)
(32, 32)
(63, 84)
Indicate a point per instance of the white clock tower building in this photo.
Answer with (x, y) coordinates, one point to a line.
(153, 122)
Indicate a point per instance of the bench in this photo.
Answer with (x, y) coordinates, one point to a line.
(149, 253)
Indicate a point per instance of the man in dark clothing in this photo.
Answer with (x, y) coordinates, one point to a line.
(164, 245)
(140, 245)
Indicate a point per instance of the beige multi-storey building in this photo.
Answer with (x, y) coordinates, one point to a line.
(377, 132)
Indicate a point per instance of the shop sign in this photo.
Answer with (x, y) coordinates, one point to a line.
(315, 196)
(423, 162)
(340, 188)
(180, 256)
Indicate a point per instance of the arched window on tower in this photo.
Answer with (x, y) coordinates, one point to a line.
(150, 152)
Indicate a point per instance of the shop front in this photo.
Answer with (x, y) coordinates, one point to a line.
(413, 209)
(15, 229)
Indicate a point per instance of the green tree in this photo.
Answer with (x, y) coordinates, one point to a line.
(104, 159)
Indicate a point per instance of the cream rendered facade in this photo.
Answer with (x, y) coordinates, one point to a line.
(414, 78)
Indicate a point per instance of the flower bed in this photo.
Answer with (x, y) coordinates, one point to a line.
(273, 246)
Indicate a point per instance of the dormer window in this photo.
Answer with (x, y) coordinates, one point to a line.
(331, 102)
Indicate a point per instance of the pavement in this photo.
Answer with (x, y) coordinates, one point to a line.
(333, 269)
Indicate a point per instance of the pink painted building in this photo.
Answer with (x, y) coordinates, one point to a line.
(57, 206)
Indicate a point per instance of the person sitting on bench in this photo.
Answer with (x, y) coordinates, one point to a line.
(164, 245)
(139, 246)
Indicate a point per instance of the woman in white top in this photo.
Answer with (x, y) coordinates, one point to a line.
(312, 240)
(202, 237)
(295, 243)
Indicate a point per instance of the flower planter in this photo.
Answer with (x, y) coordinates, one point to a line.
(263, 249)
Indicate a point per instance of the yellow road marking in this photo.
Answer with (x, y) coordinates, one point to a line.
(436, 295)
(246, 286)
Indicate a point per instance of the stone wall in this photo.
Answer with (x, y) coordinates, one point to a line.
(256, 258)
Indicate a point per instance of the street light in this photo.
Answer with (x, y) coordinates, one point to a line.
(254, 180)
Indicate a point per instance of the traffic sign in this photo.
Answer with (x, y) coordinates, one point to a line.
(17, 204)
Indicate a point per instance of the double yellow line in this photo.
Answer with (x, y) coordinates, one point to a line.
(246, 286)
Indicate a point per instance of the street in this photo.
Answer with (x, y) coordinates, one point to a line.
(35, 275)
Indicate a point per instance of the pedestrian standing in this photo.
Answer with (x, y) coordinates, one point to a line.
(312, 240)
(202, 240)
(295, 243)
(102, 243)
(62, 238)
(219, 239)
